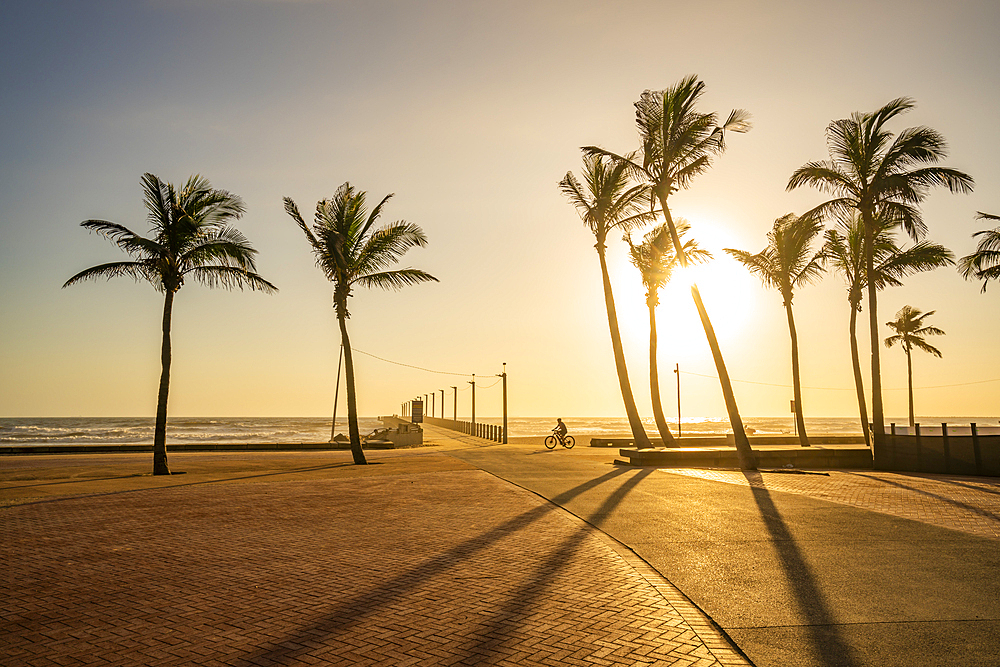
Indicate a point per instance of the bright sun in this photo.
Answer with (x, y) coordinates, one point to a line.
(727, 289)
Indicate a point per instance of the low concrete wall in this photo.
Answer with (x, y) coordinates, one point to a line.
(940, 452)
(851, 458)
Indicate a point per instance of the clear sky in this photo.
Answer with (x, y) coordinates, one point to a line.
(470, 112)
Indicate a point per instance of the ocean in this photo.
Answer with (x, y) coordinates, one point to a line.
(136, 430)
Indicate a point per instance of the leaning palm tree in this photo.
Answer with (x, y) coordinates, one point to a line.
(910, 331)
(884, 177)
(786, 264)
(607, 203)
(984, 263)
(679, 143)
(844, 252)
(351, 251)
(656, 260)
(191, 239)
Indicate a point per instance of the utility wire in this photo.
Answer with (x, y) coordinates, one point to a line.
(398, 363)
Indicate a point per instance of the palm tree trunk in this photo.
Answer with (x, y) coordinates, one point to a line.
(654, 383)
(160, 430)
(858, 380)
(638, 432)
(743, 451)
(878, 412)
(747, 459)
(352, 400)
(909, 385)
(796, 384)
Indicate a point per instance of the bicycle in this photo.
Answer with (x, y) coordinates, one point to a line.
(566, 441)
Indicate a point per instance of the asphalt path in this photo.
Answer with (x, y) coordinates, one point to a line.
(793, 580)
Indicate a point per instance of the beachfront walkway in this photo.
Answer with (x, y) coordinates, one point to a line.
(399, 564)
(474, 553)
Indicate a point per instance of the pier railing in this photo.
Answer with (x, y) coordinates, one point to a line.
(493, 432)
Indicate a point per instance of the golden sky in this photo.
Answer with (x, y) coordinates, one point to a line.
(471, 113)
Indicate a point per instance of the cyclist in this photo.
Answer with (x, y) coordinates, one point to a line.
(560, 430)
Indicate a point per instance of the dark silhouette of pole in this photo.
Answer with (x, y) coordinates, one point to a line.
(504, 376)
(442, 403)
(432, 404)
(336, 394)
(473, 383)
(677, 369)
(455, 407)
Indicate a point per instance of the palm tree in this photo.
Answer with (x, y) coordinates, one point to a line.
(843, 251)
(191, 238)
(984, 263)
(351, 251)
(910, 331)
(656, 260)
(679, 143)
(785, 264)
(884, 178)
(607, 203)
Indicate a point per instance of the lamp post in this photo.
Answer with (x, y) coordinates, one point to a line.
(504, 376)
(677, 370)
(473, 383)
(442, 403)
(455, 407)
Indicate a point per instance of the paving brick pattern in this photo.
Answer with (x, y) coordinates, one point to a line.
(443, 568)
(969, 504)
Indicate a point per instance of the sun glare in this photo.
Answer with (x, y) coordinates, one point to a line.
(728, 291)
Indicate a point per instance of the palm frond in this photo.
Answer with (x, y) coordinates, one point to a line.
(137, 271)
(395, 280)
(230, 277)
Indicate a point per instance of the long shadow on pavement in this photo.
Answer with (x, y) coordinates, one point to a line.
(951, 501)
(351, 611)
(520, 605)
(829, 646)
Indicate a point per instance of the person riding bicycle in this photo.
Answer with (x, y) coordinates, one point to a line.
(560, 430)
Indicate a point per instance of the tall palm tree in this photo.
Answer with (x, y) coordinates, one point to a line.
(844, 251)
(351, 252)
(656, 260)
(910, 331)
(605, 203)
(786, 264)
(884, 177)
(984, 263)
(679, 143)
(191, 238)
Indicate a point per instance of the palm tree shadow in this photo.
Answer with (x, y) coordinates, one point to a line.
(353, 610)
(951, 501)
(519, 606)
(817, 618)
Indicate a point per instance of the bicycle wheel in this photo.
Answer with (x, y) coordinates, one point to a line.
(550, 442)
(568, 442)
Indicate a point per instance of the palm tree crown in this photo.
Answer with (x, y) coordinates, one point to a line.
(910, 331)
(605, 201)
(984, 263)
(190, 238)
(786, 263)
(351, 251)
(656, 259)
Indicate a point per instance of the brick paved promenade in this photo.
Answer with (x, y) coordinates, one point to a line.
(421, 560)
(425, 558)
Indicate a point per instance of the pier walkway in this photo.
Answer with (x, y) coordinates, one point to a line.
(470, 552)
